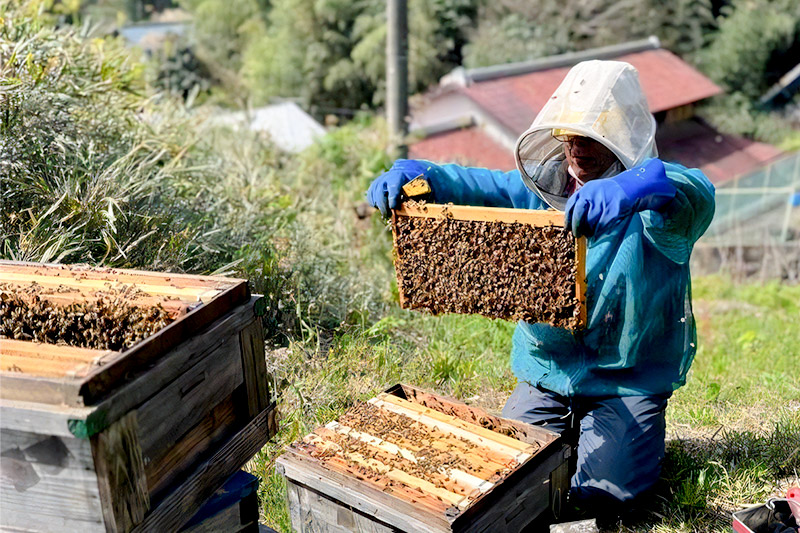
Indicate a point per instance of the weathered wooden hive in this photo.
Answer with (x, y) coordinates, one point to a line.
(514, 264)
(137, 435)
(408, 460)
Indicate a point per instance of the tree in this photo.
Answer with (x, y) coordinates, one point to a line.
(757, 42)
(517, 30)
(331, 53)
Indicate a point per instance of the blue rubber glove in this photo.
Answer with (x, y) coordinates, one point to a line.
(601, 203)
(384, 192)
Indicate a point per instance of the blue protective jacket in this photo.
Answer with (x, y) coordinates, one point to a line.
(641, 336)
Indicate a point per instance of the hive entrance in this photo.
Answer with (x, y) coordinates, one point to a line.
(499, 263)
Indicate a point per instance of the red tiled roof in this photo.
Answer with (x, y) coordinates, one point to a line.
(691, 143)
(720, 157)
(667, 81)
(467, 146)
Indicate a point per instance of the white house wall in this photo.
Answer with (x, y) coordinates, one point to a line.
(453, 107)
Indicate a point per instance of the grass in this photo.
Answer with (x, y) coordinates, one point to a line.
(734, 429)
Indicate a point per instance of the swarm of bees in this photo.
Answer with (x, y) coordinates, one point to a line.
(496, 269)
(107, 323)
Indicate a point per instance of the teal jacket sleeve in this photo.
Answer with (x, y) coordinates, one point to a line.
(678, 225)
(480, 186)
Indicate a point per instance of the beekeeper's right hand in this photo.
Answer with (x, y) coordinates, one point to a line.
(384, 193)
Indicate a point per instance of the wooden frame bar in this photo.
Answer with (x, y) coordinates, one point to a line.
(532, 217)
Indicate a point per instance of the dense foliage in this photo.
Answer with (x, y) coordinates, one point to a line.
(97, 169)
(94, 171)
(331, 53)
(517, 30)
(757, 42)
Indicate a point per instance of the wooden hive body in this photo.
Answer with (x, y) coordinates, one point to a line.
(498, 475)
(136, 439)
(476, 270)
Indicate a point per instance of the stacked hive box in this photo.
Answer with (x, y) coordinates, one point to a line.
(514, 264)
(138, 436)
(408, 460)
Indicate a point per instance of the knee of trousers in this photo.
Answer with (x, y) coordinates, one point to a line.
(619, 458)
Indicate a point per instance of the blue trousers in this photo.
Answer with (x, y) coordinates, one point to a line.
(620, 441)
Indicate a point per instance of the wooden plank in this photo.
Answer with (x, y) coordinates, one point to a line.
(35, 366)
(534, 217)
(174, 363)
(120, 474)
(168, 465)
(400, 291)
(51, 351)
(116, 274)
(470, 413)
(399, 490)
(467, 434)
(185, 500)
(42, 419)
(48, 482)
(312, 512)
(174, 306)
(191, 294)
(49, 390)
(105, 379)
(580, 281)
(452, 420)
(174, 410)
(513, 504)
(41, 359)
(385, 507)
(19, 521)
(254, 363)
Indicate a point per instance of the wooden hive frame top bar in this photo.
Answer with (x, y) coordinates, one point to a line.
(533, 217)
(81, 376)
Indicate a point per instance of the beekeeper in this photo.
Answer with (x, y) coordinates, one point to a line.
(591, 152)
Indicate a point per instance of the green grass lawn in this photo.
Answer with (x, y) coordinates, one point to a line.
(734, 429)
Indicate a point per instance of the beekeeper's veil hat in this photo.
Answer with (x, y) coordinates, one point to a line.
(602, 100)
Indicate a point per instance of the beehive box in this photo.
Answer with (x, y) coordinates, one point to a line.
(514, 264)
(408, 460)
(134, 437)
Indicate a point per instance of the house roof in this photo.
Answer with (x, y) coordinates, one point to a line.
(668, 82)
(691, 143)
(467, 146)
(721, 157)
(288, 126)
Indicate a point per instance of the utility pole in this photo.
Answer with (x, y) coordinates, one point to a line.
(397, 74)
